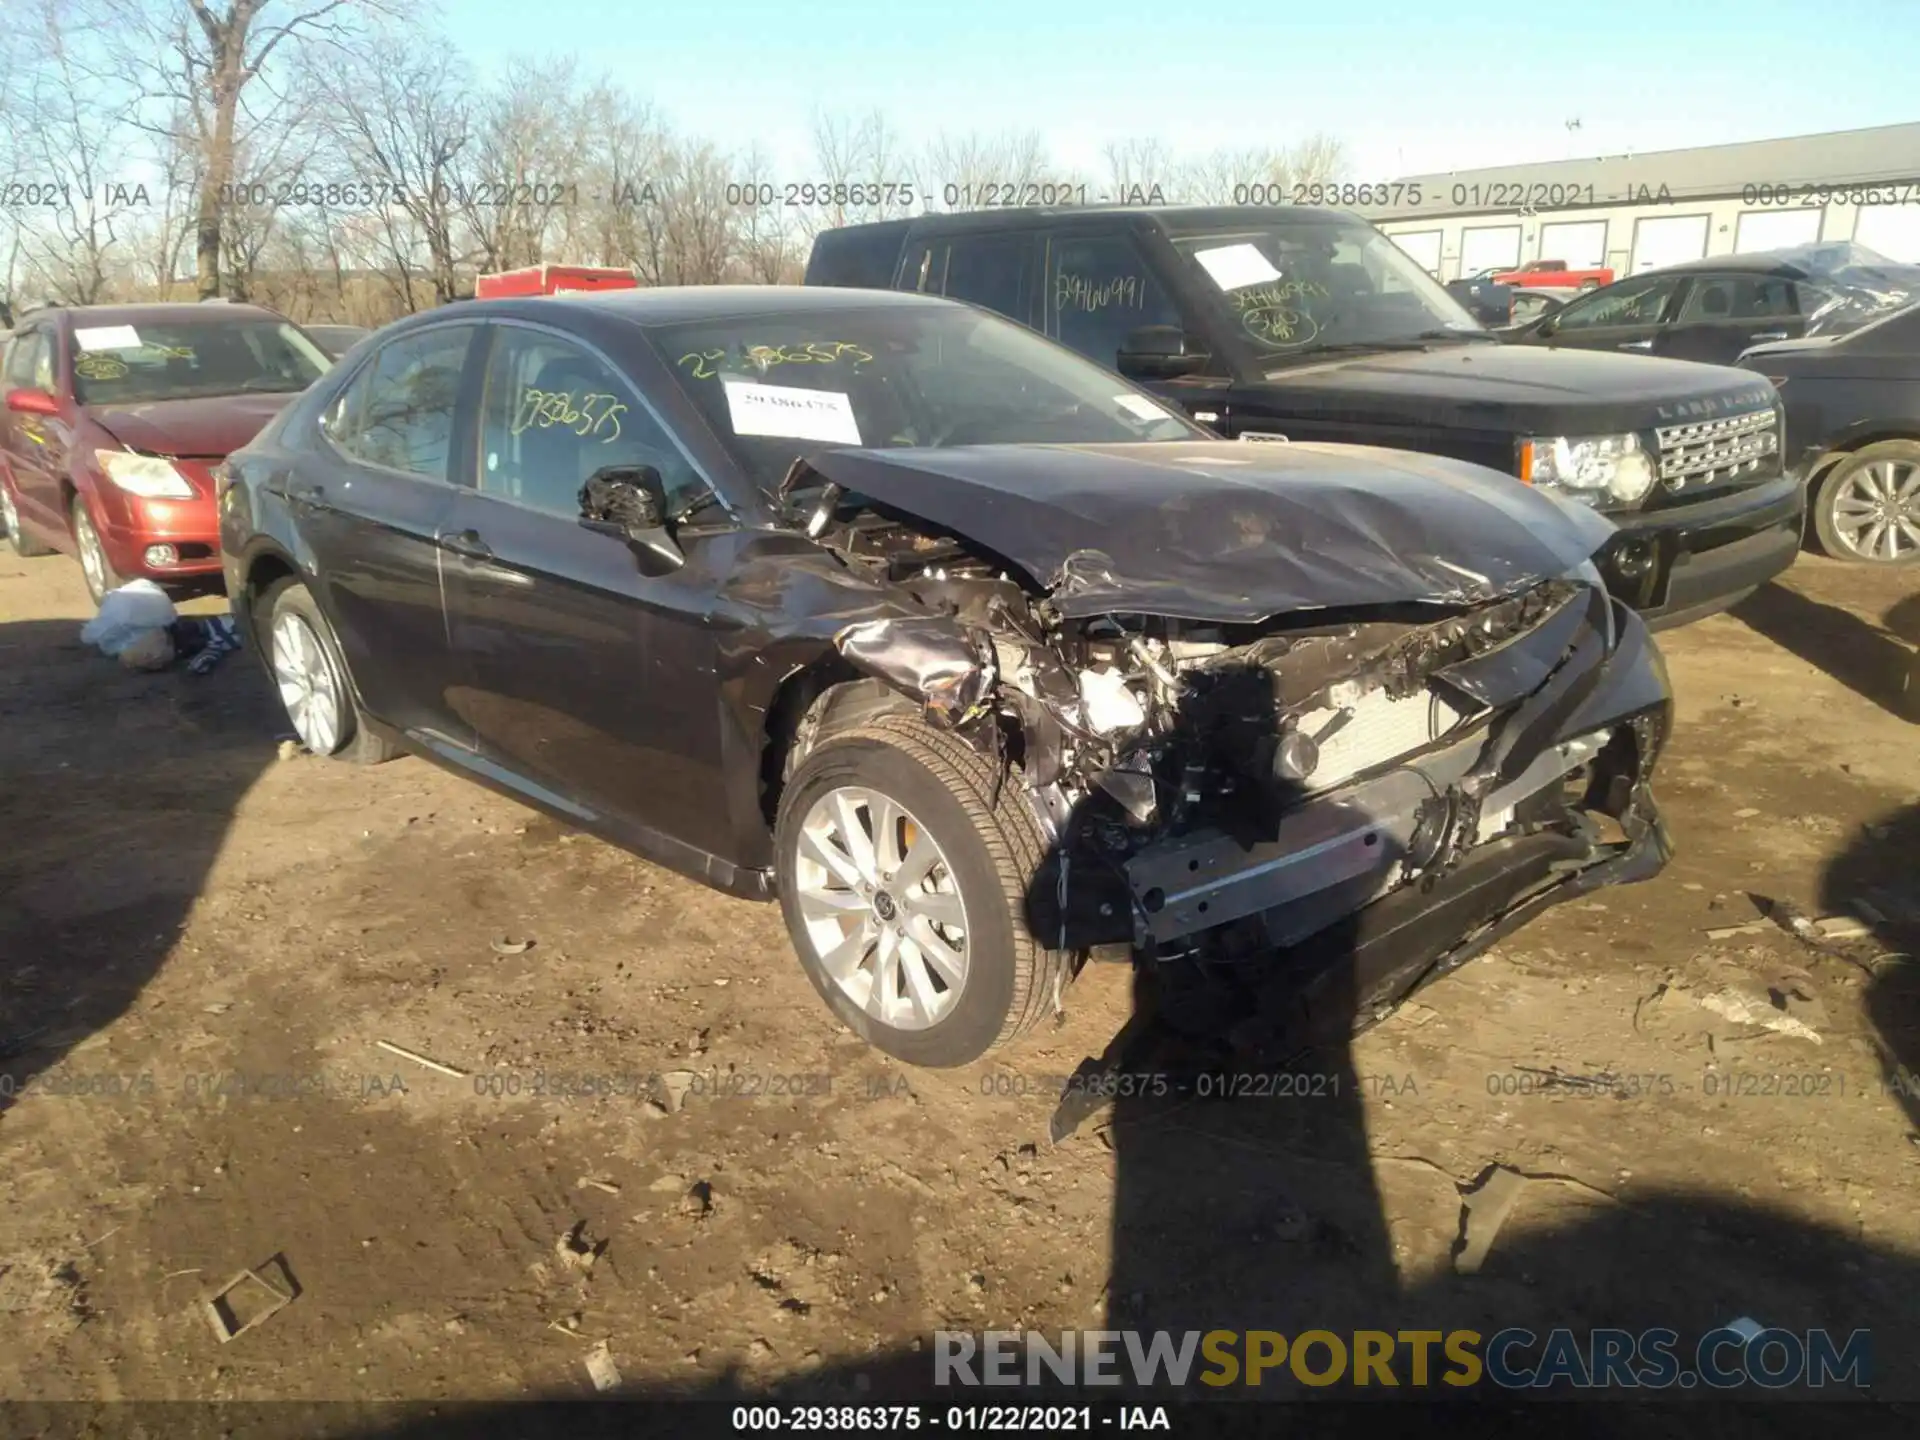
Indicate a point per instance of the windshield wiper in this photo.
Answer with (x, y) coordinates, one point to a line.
(1458, 335)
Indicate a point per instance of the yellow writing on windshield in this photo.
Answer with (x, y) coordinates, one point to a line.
(172, 352)
(594, 413)
(1278, 314)
(1084, 293)
(100, 367)
(701, 363)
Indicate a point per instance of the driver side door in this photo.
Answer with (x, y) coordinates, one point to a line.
(586, 670)
(1625, 317)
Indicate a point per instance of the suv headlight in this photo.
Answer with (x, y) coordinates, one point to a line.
(1598, 470)
(144, 475)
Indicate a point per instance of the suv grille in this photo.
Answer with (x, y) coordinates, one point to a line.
(1706, 452)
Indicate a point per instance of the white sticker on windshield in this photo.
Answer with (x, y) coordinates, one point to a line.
(1234, 267)
(106, 337)
(1140, 407)
(791, 412)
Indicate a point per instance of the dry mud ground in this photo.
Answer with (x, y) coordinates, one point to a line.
(217, 938)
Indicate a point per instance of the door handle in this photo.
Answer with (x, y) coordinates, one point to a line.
(1768, 335)
(466, 543)
(1637, 345)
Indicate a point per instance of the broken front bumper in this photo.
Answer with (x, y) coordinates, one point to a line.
(1383, 881)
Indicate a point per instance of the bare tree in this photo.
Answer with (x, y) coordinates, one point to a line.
(866, 169)
(524, 163)
(966, 172)
(191, 58)
(403, 123)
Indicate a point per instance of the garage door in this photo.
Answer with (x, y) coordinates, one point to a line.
(1668, 240)
(1772, 229)
(1893, 230)
(1423, 246)
(1581, 243)
(1487, 246)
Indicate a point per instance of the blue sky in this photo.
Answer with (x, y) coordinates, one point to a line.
(1410, 88)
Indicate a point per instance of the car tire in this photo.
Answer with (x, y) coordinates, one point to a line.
(94, 564)
(1876, 481)
(23, 544)
(304, 659)
(961, 973)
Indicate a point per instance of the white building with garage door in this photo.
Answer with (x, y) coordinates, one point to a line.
(1639, 212)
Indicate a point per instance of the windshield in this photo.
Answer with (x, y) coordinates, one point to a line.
(1294, 288)
(185, 360)
(775, 387)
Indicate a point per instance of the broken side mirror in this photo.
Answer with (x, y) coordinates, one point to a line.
(1159, 352)
(630, 501)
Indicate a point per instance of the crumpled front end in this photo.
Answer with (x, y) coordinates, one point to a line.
(1354, 799)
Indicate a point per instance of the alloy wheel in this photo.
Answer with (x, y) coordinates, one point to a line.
(882, 907)
(1876, 511)
(309, 685)
(93, 559)
(8, 514)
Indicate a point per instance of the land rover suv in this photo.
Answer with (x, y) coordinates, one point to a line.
(1307, 324)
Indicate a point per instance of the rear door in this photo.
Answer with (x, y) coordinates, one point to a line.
(1721, 315)
(36, 445)
(993, 269)
(587, 674)
(1625, 316)
(367, 502)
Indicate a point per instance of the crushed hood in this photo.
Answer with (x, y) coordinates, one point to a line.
(1226, 531)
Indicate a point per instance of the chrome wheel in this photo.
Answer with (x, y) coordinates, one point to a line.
(309, 686)
(1876, 511)
(881, 908)
(93, 559)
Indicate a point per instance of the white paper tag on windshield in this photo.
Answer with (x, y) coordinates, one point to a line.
(791, 413)
(1140, 407)
(106, 337)
(1234, 267)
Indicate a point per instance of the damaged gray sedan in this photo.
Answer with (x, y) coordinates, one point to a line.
(983, 661)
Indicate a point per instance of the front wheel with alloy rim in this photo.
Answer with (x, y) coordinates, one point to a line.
(1867, 506)
(101, 576)
(312, 678)
(903, 871)
(24, 545)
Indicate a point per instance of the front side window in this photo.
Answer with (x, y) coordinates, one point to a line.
(25, 358)
(1099, 290)
(554, 414)
(776, 387)
(1632, 302)
(187, 360)
(399, 411)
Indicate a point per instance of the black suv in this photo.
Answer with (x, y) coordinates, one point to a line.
(1306, 324)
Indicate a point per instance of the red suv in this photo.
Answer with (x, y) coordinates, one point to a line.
(115, 415)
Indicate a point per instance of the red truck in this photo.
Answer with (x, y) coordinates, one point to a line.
(1552, 272)
(551, 280)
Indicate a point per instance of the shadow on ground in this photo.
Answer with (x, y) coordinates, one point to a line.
(1877, 662)
(107, 834)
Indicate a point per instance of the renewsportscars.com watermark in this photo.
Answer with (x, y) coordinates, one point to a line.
(1741, 1353)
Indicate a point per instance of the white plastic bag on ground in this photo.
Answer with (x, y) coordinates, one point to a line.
(137, 606)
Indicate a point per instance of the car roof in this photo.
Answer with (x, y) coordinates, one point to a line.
(157, 313)
(1759, 262)
(675, 304)
(1027, 217)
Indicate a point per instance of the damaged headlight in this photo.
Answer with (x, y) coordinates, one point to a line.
(1597, 470)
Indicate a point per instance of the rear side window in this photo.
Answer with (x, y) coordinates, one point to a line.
(861, 256)
(1737, 297)
(399, 411)
(992, 271)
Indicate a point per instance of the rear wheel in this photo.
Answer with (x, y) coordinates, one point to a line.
(312, 677)
(101, 576)
(903, 870)
(23, 544)
(1867, 506)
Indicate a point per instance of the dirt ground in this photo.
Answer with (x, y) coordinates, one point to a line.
(202, 943)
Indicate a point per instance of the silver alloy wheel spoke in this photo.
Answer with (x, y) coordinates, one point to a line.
(880, 907)
(1876, 513)
(308, 685)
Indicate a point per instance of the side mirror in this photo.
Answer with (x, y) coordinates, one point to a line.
(631, 501)
(1159, 352)
(32, 402)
